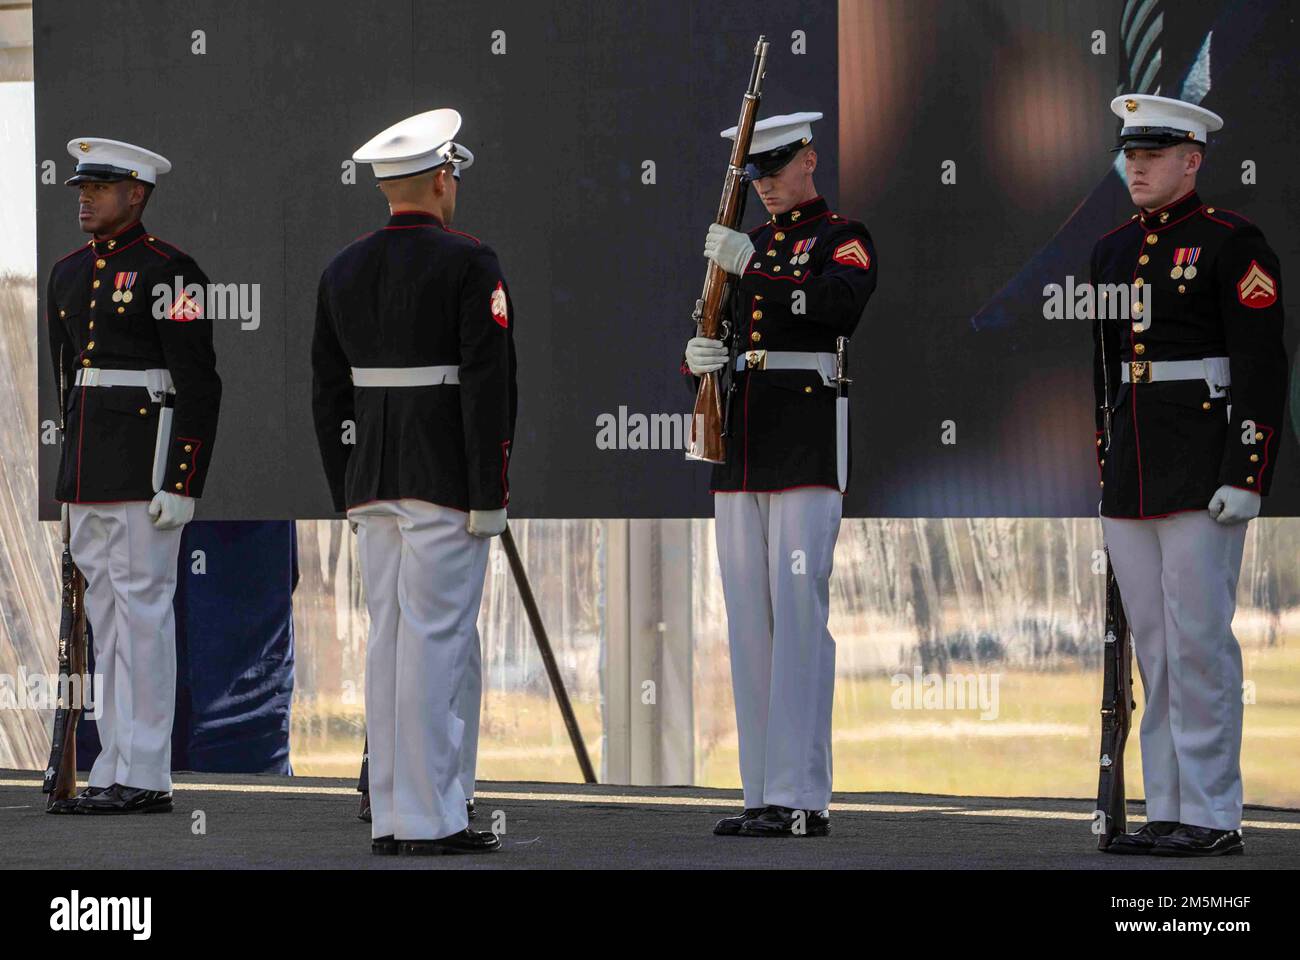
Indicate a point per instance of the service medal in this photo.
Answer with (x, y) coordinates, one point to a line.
(123, 282)
(1184, 258)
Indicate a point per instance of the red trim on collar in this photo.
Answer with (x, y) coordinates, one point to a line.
(1189, 200)
(782, 221)
(114, 236)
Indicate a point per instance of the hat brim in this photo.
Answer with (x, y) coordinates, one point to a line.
(1151, 143)
(102, 173)
(1153, 138)
(771, 162)
(97, 178)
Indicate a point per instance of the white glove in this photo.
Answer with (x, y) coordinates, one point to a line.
(170, 511)
(729, 249)
(1234, 505)
(486, 523)
(704, 355)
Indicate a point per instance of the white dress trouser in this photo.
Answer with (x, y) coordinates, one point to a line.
(776, 551)
(423, 575)
(1178, 577)
(130, 570)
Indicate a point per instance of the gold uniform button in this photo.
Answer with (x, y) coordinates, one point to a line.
(807, 389)
(1206, 405)
(1099, 441)
(150, 239)
(92, 304)
(1209, 209)
(758, 314)
(1139, 348)
(1182, 288)
(63, 313)
(779, 236)
(185, 466)
(1138, 282)
(91, 325)
(797, 272)
(1259, 436)
(1137, 307)
(777, 268)
(180, 486)
(121, 309)
(95, 285)
(85, 363)
(143, 411)
(1250, 479)
(1144, 259)
(1152, 238)
(101, 263)
(756, 336)
(188, 448)
(1101, 483)
(91, 345)
(1254, 458)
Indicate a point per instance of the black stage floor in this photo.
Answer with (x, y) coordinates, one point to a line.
(254, 822)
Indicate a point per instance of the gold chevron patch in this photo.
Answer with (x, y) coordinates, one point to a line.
(853, 254)
(1257, 289)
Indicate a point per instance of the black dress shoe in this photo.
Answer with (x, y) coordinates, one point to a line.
(120, 799)
(785, 822)
(69, 804)
(1193, 841)
(467, 841)
(730, 826)
(384, 846)
(1142, 840)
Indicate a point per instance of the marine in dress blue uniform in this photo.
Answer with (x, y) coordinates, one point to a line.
(1194, 374)
(414, 400)
(802, 280)
(132, 352)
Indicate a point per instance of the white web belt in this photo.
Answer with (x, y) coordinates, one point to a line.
(405, 376)
(1214, 371)
(823, 363)
(157, 381)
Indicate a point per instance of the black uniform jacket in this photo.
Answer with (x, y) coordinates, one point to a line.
(808, 283)
(415, 294)
(110, 433)
(1173, 443)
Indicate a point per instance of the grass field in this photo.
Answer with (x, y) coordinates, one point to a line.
(1042, 743)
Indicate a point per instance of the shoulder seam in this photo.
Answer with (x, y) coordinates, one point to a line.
(462, 233)
(1127, 223)
(151, 239)
(1231, 226)
(81, 249)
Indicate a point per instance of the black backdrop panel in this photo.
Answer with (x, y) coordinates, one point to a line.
(604, 268)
